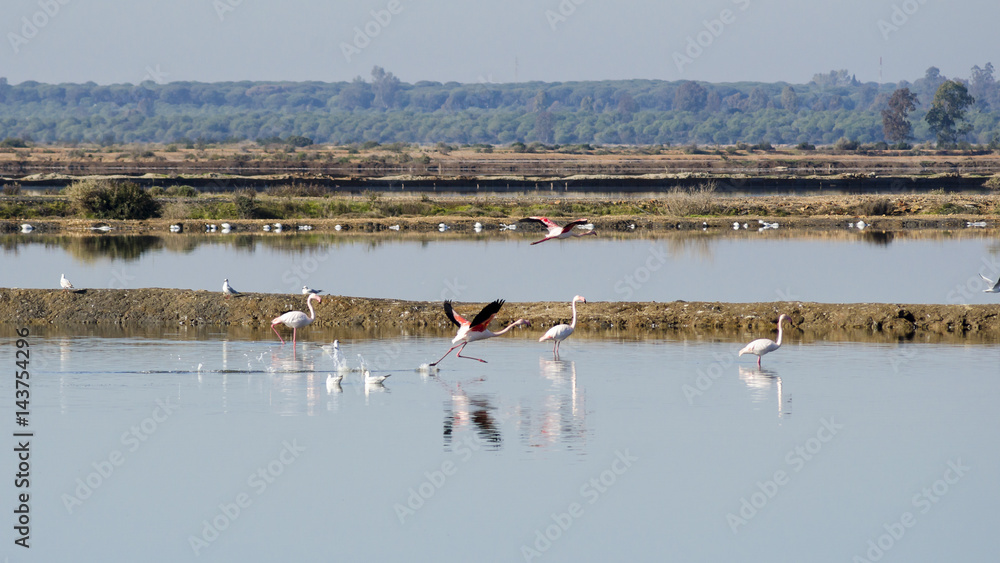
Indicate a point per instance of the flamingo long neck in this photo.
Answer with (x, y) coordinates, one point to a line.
(312, 315)
(573, 323)
(779, 332)
(510, 326)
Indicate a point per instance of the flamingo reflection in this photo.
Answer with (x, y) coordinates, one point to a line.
(760, 382)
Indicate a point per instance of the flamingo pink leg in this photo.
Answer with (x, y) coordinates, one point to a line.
(444, 356)
(758, 361)
(468, 357)
(279, 336)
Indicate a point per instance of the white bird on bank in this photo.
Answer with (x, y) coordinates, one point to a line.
(994, 288)
(305, 227)
(763, 346)
(176, 228)
(102, 228)
(228, 289)
(337, 227)
(306, 290)
(443, 227)
(26, 228)
(64, 283)
(267, 228)
(561, 332)
(393, 227)
(478, 227)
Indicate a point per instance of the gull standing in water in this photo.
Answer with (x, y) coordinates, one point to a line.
(561, 332)
(763, 346)
(228, 289)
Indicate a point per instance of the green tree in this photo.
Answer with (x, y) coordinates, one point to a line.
(691, 96)
(789, 99)
(948, 112)
(895, 126)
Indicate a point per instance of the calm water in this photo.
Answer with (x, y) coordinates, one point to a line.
(736, 267)
(622, 451)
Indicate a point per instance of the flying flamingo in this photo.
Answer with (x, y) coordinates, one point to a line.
(561, 332)
(296, 319)
(763, 346)
(991, 287)
(477, 329)
(555, 231)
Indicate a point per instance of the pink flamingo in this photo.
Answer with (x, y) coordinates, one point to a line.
(477, 329)
(556, 231)
(561, 332)
(296, 319)
(763, 346)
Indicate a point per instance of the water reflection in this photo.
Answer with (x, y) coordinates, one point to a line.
(475, 412)
(764, 386)
(558, 416)
(878, 238)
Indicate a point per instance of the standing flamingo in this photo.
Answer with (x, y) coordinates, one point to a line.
(296, 319)
(556, 231)
(561, 332)
(477, 329)
(763, 346)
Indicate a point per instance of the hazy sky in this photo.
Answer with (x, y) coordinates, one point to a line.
(110, 41)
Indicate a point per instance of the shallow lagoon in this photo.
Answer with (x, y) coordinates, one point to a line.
(642, 450)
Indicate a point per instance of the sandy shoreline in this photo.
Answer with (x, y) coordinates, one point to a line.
(811, 321)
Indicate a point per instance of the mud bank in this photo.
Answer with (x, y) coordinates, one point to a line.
(172, 308)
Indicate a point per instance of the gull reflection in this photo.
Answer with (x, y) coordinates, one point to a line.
(760, 382)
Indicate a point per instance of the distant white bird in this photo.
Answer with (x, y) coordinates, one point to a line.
(267, 228)
(374, 379)
(306, 290)
(305, 227)
(176, 228)
(478, 227)
(210, 228)
(337, 227)
(278, 227)
(763, 346)
(995, 288)
(64, 283)
(975, 223)
(736, 226)
(102, 228)
(394, 227)
(506, 227)
(26, 228)
(226, 226)
(443, 227)
(333, 382)
(296, 319)
(228, 289)
(561, 332)
(861, 225)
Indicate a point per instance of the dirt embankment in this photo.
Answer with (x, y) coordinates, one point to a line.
(172, 307)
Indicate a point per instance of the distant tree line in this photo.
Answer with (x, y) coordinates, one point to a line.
(830, 107)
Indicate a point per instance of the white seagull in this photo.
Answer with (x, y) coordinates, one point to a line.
(306, 290)
(375, 379)
(26, 228)
(995, 286)
(228, 289)
(64, 283)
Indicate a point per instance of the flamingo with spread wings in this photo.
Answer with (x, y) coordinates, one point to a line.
(477, 329)
(557, 231)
